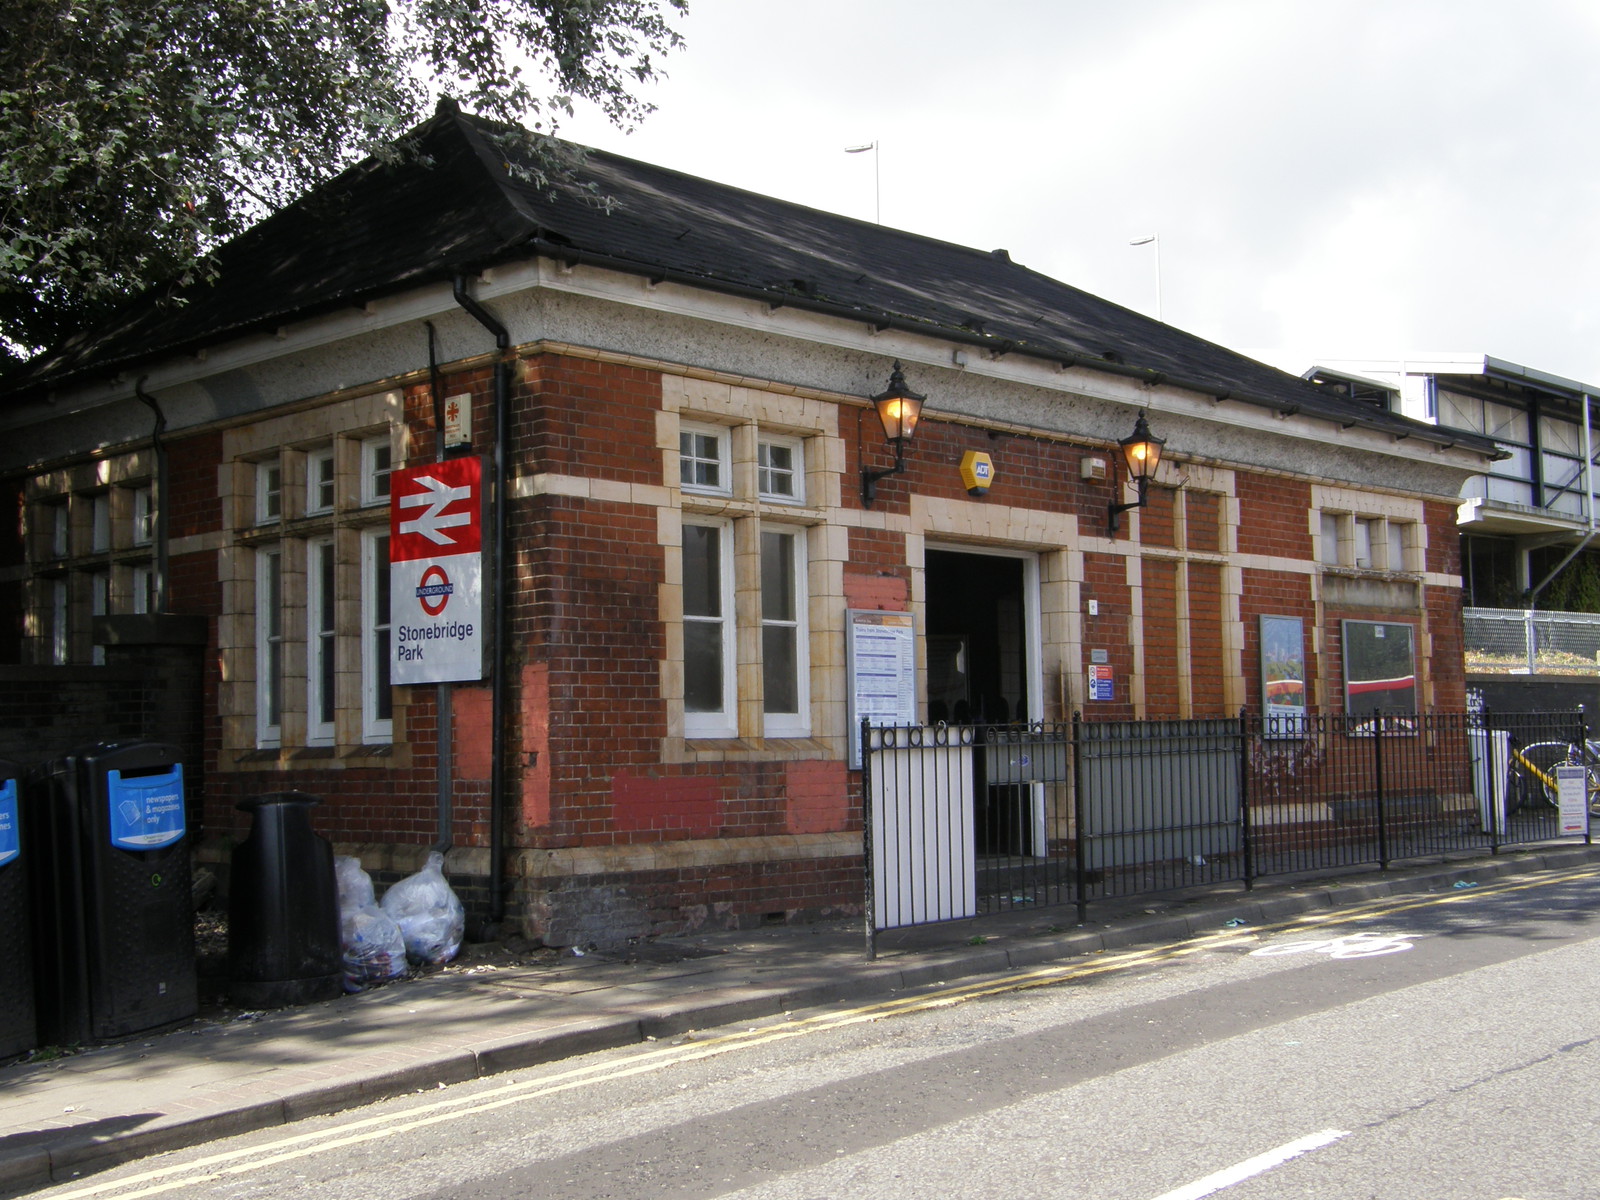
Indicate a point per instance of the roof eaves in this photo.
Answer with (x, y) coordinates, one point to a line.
(1396, 426)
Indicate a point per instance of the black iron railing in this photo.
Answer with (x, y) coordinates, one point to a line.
(972, 819)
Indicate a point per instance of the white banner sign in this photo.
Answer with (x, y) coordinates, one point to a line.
(436, 572)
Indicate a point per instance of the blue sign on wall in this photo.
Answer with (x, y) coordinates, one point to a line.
(147, 810)
(10, 843)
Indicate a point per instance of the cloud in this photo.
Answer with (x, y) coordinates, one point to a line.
(1401, 173)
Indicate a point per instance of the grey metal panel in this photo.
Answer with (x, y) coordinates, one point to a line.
(1158, 791)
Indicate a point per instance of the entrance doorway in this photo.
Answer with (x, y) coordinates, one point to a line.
(982, 670)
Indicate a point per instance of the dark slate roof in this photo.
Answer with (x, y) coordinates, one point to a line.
(449, 205)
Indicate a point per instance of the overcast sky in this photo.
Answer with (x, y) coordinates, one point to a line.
(1328, 177)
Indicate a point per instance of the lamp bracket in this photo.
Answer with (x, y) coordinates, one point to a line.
(869, 479)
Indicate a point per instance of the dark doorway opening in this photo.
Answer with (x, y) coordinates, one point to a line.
(977, 656)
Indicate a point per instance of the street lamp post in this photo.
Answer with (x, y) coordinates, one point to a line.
(877, 187)
(1154, 240)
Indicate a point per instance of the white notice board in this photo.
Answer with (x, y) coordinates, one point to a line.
(1572, 780)
(881, 656)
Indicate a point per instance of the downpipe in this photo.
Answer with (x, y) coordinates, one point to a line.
(444, 693)
(497, 780)
(158, 493)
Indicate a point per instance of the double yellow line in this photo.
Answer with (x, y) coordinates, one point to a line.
(233, 1163)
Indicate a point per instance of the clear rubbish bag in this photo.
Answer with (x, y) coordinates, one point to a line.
(371, 943)
(428, 912)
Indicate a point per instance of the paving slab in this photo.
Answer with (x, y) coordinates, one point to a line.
(181, 1087)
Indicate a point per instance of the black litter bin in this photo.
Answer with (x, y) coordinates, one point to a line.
(283, 908)
(113, 909)
(18, 1033)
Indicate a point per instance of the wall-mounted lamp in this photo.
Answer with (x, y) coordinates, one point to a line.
(1141, 452)
(899, 409)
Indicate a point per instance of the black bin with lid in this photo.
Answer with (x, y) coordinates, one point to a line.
(113, 905)
(283, 908)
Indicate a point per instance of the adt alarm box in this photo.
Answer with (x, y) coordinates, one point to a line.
(115, 915)
(17, 1030)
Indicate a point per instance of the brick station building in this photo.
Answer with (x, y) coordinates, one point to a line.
(668, 384)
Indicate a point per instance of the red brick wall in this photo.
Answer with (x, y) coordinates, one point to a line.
(1158, 518)
(1274, 594)
(1105, 581)
(193, 504)
(1273, 516)
(1205, 640)
(586, 721)
(877, 575)
(1162, 663)
(1204, 515)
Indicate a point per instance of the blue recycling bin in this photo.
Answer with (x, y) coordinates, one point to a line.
(114, 914)
(18, 1033)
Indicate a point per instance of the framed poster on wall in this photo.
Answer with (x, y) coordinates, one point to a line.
(1283, 676)
(881, 662)
(1380, 669)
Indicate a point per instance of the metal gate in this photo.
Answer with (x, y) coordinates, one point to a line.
(965, 820)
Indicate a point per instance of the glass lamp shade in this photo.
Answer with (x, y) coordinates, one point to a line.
(1141, 451)
(898, 407)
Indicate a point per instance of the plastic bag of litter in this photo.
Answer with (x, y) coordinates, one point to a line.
(372, 946)
(428, 912)
(374, 949)
(355, 885)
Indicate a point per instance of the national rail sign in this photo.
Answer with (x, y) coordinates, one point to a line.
(436, 572)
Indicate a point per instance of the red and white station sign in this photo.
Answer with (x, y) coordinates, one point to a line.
(436, 571)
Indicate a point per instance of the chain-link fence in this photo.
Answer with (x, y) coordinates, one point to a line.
(1528, 641)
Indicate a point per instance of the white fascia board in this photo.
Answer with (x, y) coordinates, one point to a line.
(250, 350)
(759, 316)
(933, 352)
(1500, 366)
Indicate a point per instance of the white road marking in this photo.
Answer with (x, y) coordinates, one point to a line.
(1239, 1172)
(1355, 945)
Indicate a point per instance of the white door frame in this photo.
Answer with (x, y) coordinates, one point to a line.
(1032, 645)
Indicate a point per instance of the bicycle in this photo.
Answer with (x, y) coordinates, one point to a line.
(1532, 778)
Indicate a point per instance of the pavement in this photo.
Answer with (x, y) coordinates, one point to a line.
(231, 1071)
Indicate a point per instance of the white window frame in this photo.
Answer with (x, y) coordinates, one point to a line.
(143, 582)
(1332, 534)
(798, 723)
(723, 722)
(270, 646)
(322, 640)
(60, 623)
(269, 491)
(99, 606)
(1368, 532)
(722, 458)
(377, 464)
(100, 523)
(317, 461)
(377, 695)
(1399, 543)
(60, 530)
(766, 473)
(144, 526)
